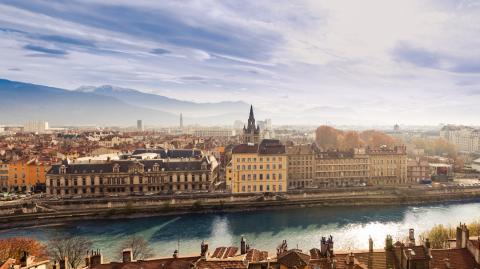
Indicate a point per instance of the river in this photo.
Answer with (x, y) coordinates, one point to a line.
(302, 227)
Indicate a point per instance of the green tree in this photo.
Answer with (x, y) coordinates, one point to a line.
(438, 236)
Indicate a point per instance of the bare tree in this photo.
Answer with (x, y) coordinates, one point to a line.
(73, 248)
(140, 247)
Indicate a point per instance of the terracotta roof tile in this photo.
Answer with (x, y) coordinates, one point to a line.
(458, 258)
(166, 263)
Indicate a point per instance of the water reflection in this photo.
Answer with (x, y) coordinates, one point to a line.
(350, 227)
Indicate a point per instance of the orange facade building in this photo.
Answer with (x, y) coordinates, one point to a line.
(24, 175)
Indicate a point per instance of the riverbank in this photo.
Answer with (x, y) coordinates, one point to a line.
(44, 212)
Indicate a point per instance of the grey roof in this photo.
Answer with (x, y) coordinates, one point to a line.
(173, 153)
(107, 167)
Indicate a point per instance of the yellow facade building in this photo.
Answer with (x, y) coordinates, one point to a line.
(258, 168)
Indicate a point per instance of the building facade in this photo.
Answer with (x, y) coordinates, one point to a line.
(418, 171)
(3, 176)
(251, 133)
(336, 169)
(388, 166)
(465, 139)
(308, 167)
(24, 175)
(301, 165)
(133, 176)
(258, 168)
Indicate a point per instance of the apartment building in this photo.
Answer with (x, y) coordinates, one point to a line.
(388, 166)
(258, 168)
(466, 139)
(301, 165)
(3, 176)
(24, 175)
(336, 169)
(418, 170)
(308, 167)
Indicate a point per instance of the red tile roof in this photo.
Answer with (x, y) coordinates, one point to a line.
(255, 255)
(221, 265)
(165, 263)
(458, 258)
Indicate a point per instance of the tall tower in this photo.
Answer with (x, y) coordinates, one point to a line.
(181, 121)
(251, 133)
(139, 125)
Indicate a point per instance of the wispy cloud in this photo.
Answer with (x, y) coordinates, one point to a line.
(285, 56)
(46, 51)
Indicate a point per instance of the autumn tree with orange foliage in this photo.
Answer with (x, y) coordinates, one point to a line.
(330, 138)
(327, 137)
(14, 247)
(376, 139)
(350, 140)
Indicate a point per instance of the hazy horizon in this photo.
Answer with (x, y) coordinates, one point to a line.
(303, 62)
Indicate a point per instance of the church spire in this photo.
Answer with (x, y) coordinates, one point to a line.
(251, 133)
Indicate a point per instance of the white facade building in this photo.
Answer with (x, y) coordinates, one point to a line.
(36, 126)
(466, 139)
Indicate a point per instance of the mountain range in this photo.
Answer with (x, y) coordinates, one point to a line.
(107, 105)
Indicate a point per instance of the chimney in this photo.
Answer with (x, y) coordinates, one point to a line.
(23, 259)
(370, 244)
(465, 235)
(243, 246)
(330, 244)
(96, 258)
(350, 258)
(203, 250)
(388, 242)
(428, 247)
(127, 255)
(458, 238)
(63, 264)
(323, 246)
(411, 236)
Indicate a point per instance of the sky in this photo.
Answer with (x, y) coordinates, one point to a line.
(339, 61)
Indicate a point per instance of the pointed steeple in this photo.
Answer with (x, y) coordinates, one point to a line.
(251, 132)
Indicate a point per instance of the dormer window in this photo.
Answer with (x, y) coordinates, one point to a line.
(156, 167)
(116, 168)
(63, 169)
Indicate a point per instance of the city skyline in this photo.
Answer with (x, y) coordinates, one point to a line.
(410, 62)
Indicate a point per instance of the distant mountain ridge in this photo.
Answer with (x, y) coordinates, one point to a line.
(154, 101)
(106, 105)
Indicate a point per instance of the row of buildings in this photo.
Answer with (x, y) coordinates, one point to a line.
(255, 165)
(269, 166)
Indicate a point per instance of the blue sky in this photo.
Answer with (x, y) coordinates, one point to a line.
(362, 62)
